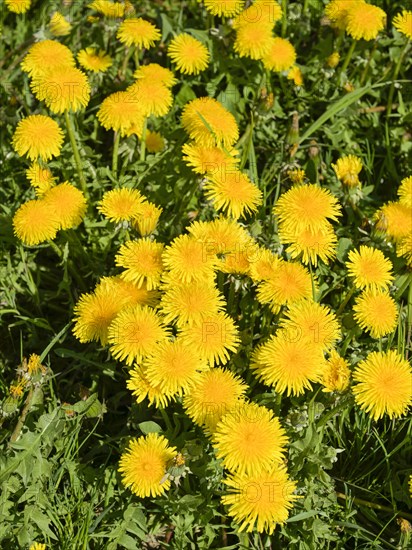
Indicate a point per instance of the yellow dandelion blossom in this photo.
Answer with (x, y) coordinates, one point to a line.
(68, 202)
(395, 219)
(146, 218)
(94, 60)
(93, 314)
(209, 160)
(138, 32)
(114, 10)
(261, 11)
(121, 204)
(260, 501)
(119, 111)
(403, 23)
(337, 12)
(249, 439)
(215, 393)
(209, 123)
(347, 170)
(333, 60)
(405, 192)
(234, 193)
(127, 293)
(38, 136)
(153, 71)
(220, 236)
(134, 333)
(280, 56)
(290, 283)
(152, 97)
(190, 303)
(297, 176)
(313, 322)
(18, 6)
(295, 74)
(59, 26)
(40, 178)
(336, 375)
(35, 222)
(17, 390)
(306, 207)
(155, 142)
(173, 367)
(136, 128)
(37, 546)
(189, 54)
(364, 21)
(62, 89)
(143, 466)
(253, 40)
(213, 338)
(141, 389)
(226, 8)
(34, 365)
(240, 259)
(376, 312)
(311, 245)
(45, 56)
(188, 260)
(142, 262)
(384, 384)
(404, 248)
(288, 363)
(264, 265)
(369, 268)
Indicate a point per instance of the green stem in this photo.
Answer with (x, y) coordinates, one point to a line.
(395, 76)
(166, 419)
(143, 142)
(348, 57)
(285, 18)
(78, 160)
(365, 72)
(243, 540)
(346, 300)
(115, 157)
(373, 505)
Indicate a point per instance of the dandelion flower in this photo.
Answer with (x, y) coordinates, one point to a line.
(384, 384)
(173, 367)
(395, 219)
(376, 312)
(142, 262)
(94, 60)
(295, 74)
(120, 204)
(266, 12)
(134, 333)
(188, 260)
(364, 21)
(59, 26)
(45, 56)
(209, 123)
(220, 236)
(347, 170)
(35, 222)
(209, 160)
(141, 389)
(38, 136)
(190, 303)
(333, 60)
(153, 97)
(215, 393)
(297, 176)
(227, 8)
(143, 466)
(127, 293)
(146, 218)
(306, 207)
(138, 32)
(311, 245)
(336, 374)
(153, 71)
(68, 202)
(234, 193)
(290, 283)
(213, 338)
(288, 363)
(404, 248)
(119, 111)
(253, 40)
(337, 12)
(114, 10)
(37, 546)
(405, 192)
(264, 265)
(260, 500)
(155, 142)
(40, 178)
(189, 54)
(403, 23)
(18, 6)
(369, 268)
(249, 439)
(313, 322)
(62, 89)
(240, 259)
(280, 56)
